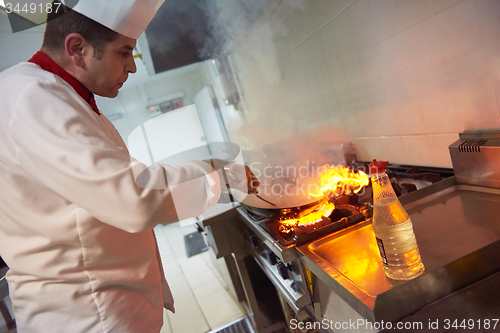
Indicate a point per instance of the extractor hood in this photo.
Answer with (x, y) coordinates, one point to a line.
(178, 34)
(189, 31)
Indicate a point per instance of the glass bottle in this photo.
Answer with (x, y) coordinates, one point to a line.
(393, 229)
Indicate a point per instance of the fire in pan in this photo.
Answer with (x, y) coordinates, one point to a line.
(299, 211)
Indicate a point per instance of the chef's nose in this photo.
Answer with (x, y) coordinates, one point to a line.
(131, 66)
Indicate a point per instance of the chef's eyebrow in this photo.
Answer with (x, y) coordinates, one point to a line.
(127, 47)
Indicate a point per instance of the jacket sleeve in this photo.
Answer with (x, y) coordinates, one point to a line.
(64, 146)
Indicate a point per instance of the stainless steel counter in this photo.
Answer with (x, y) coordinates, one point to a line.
(458, 232)
(457, 227)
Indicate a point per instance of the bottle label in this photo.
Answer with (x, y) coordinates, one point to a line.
(381, 250)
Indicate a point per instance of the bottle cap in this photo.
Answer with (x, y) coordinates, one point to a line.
(377, 166)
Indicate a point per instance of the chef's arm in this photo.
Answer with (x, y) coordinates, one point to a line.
(65, 148)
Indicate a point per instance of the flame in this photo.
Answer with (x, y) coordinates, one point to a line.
(289, 225)
(340, 180)
(335, 180)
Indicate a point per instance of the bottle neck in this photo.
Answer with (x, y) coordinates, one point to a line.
(382, 187)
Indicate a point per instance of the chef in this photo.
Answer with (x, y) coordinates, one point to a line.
(76, 230)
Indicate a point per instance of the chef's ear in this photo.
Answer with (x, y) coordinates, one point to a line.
(75, 46)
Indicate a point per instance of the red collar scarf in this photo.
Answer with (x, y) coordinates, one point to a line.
(43, 60)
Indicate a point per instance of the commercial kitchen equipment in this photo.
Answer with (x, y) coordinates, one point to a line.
(338, 274)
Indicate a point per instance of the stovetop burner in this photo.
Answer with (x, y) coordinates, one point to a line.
(342, 217)
(347, 212)
(255, 218)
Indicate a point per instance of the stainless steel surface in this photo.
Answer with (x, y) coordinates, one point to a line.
(480, 134)
(217, 231)
(258, 303)
(476, 156)
(457, 227)
(215, 223)
(285, 253)
(292, 286)
(227, 237)
(280, 209)
(470, 305)
(330, 306)
(297, 299)
(458, 233)
(252, 307)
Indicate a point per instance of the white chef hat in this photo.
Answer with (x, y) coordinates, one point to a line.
(127, 17)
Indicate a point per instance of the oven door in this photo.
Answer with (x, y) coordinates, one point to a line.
(288, 278)
(276, 291)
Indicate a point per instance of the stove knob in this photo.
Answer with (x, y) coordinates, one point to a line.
(295, 287)
(283, 270)
(252, 238)
(271, 257)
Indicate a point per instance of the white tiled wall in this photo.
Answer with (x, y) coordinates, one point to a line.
(401, 78)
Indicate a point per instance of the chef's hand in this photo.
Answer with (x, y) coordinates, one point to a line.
(241, 178)
(234, 176)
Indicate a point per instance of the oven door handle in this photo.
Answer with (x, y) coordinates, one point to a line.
(286, 296)
(282, 290)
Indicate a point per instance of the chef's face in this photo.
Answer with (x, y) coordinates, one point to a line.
(107, 73)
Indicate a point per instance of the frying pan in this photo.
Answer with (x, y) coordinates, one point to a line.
(289, 194)
(292, 203)
(283, 211)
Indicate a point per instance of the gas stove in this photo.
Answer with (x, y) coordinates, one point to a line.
(455, 217)
(280, 254)
(350, 210)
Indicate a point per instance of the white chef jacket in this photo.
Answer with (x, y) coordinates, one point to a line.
(75, 229)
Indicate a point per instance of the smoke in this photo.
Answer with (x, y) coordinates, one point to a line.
(290, 169)
(275, 119)
(274, 127)
(312, 149)
(231, 22)
(211, 25)
(177, 21)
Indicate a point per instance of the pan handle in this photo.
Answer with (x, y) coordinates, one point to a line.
(227, 169)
